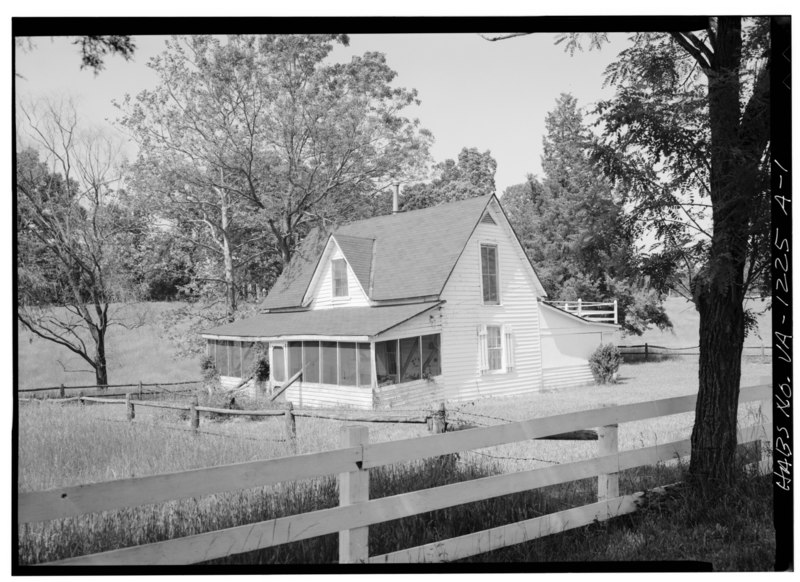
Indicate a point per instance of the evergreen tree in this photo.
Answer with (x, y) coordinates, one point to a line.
(574, 229)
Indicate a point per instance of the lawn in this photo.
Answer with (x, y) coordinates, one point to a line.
(685, 332)
(70, 444)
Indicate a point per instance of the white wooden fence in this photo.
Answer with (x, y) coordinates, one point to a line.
(603, 312)
(357, 512)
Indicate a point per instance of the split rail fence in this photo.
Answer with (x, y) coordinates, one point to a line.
(653, 352)
(140, 388)
(352, 463)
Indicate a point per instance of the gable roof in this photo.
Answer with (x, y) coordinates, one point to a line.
(412, 253)
(358, 252)
(349, 321)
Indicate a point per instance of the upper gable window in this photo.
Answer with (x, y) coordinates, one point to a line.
(339, 268)
(489, 274)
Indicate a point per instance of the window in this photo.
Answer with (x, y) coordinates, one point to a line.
(330, 365)
(489, 274)
(278, 364)
(295, 358)
(494, 347)
(430, 356)
(386, 362)
(339, 267)
(311, 359)
(411, 367)
(347, 364)
(407, 359)
(364, 365)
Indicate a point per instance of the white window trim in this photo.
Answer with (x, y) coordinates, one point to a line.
(496, 245)
(285, 347)
(340, 298)
(506, 346)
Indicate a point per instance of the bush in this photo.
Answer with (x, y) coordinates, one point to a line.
(605, 362)
(208, 369)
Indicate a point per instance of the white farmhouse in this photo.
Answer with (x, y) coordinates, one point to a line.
(409, 309)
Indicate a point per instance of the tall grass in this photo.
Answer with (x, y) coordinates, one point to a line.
(67, 445)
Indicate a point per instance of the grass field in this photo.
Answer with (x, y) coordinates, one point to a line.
(63, 445)
(69, 444)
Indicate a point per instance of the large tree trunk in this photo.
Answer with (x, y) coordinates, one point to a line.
(719, 288)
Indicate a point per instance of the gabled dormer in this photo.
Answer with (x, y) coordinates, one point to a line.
(342, 276)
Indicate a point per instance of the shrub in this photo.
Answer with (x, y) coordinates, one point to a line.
(605, 362)
(208, 369)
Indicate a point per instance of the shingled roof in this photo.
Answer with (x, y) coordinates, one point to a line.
(396, 256)
(351, 321)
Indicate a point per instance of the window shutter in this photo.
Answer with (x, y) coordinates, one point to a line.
(509, 351)
(483, 350)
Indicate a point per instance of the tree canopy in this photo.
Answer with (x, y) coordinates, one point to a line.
(574, 229)
(72, 233)
(469, 176)
(247, 143)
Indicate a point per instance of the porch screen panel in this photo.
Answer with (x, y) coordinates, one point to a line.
(386, 362)
(248, 358)
(347, 364)
(235, 359)
(222, 357)
(431, 355)
(278, 364)
(329, 363)
(311, 359)
(410, 365)
(295, 357)
(364, 365)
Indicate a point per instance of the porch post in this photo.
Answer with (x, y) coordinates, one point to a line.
(373, 372)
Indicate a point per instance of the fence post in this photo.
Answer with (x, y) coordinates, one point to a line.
(129, 406)
(80, 395)
(645, 351)
(607, 441)
(291, 427)
(616, 315)
(440, 419)
(580, 313)
(194, 415)
(353, 489)
(140, 389)
(61, 393)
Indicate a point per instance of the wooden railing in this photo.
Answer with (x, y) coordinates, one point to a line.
(603, 312)
(357, 512)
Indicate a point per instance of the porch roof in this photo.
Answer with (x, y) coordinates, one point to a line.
(341, 321)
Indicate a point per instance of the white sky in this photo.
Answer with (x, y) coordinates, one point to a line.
(474, 93)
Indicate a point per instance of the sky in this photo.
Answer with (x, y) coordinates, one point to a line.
(474, 93)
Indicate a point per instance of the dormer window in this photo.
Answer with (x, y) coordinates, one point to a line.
(339, 268)
(489, 275)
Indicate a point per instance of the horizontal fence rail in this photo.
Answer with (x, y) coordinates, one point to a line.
(600, 311)
(648, 350)
(106, 386)
(357, 512)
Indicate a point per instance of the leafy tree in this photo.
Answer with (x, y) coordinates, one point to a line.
(93, 49)
(472, 175)
(573, 227)
(702, 115)
(718, 80)
(71, 235)
(247, 143)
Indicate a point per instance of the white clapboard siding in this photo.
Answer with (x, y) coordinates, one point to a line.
(464, 312)
(306, 394)
(566, 376)
(423, 324)
(323, 291)
(419, 393)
